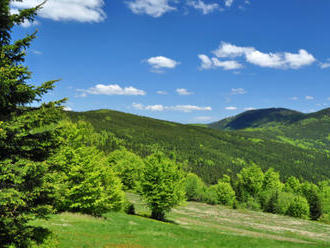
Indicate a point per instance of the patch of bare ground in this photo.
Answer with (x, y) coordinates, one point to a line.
(242, 232)
(239, 220)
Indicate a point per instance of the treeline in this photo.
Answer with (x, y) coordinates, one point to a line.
(253, 189)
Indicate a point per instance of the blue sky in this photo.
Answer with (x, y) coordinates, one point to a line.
(183, 60)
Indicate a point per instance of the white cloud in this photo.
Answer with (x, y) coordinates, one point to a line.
(226, 50)
(207, 63)
(180, 108)
(67, 108)
(227, 65)
(300, 59)
(231, 108)
(157, 107)
(228, 3)
(72, 10)
(184, 92)
(154, 8)
(325, 65)
(249, 108)
(204, 7)
(282, 60)
(138, 106)
(294, 98)
(161, 92)
(328, 98)
(238, 91)
(203, 118)
(309, 97)
(160, 62)
(112, 89)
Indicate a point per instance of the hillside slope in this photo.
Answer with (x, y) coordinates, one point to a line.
(207, 152)
(304, 130)
(192, 225)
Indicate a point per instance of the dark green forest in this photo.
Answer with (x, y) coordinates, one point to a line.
(212, 153)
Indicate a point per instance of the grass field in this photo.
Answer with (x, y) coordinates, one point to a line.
(192, 225)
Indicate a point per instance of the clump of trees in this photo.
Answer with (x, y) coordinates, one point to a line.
(254, 189)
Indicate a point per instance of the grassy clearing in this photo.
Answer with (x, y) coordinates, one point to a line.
(192, 225)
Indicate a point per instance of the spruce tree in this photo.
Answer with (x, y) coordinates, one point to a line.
(27, 136)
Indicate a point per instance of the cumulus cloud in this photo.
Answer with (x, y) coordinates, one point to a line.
(227, 65)
(309, 97)
(160, 62)
(72, 10)
(231, 108)
(204, 7)
(238, 91)
(180, 108)
(279, 60)
(112, 89)
(207, 63)
(154, 8)
(183, 92)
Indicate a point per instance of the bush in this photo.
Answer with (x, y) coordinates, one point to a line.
(210, 196)
(194, 187)
(128, 167)
(298, 208)
(250, 182)
(225, 193)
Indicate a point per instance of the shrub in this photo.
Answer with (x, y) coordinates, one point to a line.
(194, 187)
(298, 208)
(209, 195)
(225, 193)
(250, 182)
(128, 167)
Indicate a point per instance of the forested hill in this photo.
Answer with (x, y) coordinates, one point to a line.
(209, 153)
(304, 130)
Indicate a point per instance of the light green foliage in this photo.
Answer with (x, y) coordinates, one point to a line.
(225, 193)
(272, 181)
(163, 185)
(250, 181)
(194, 187)
(298, 207)
(84, 182)
(209, 195)
(293, 185)
(128, 166)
